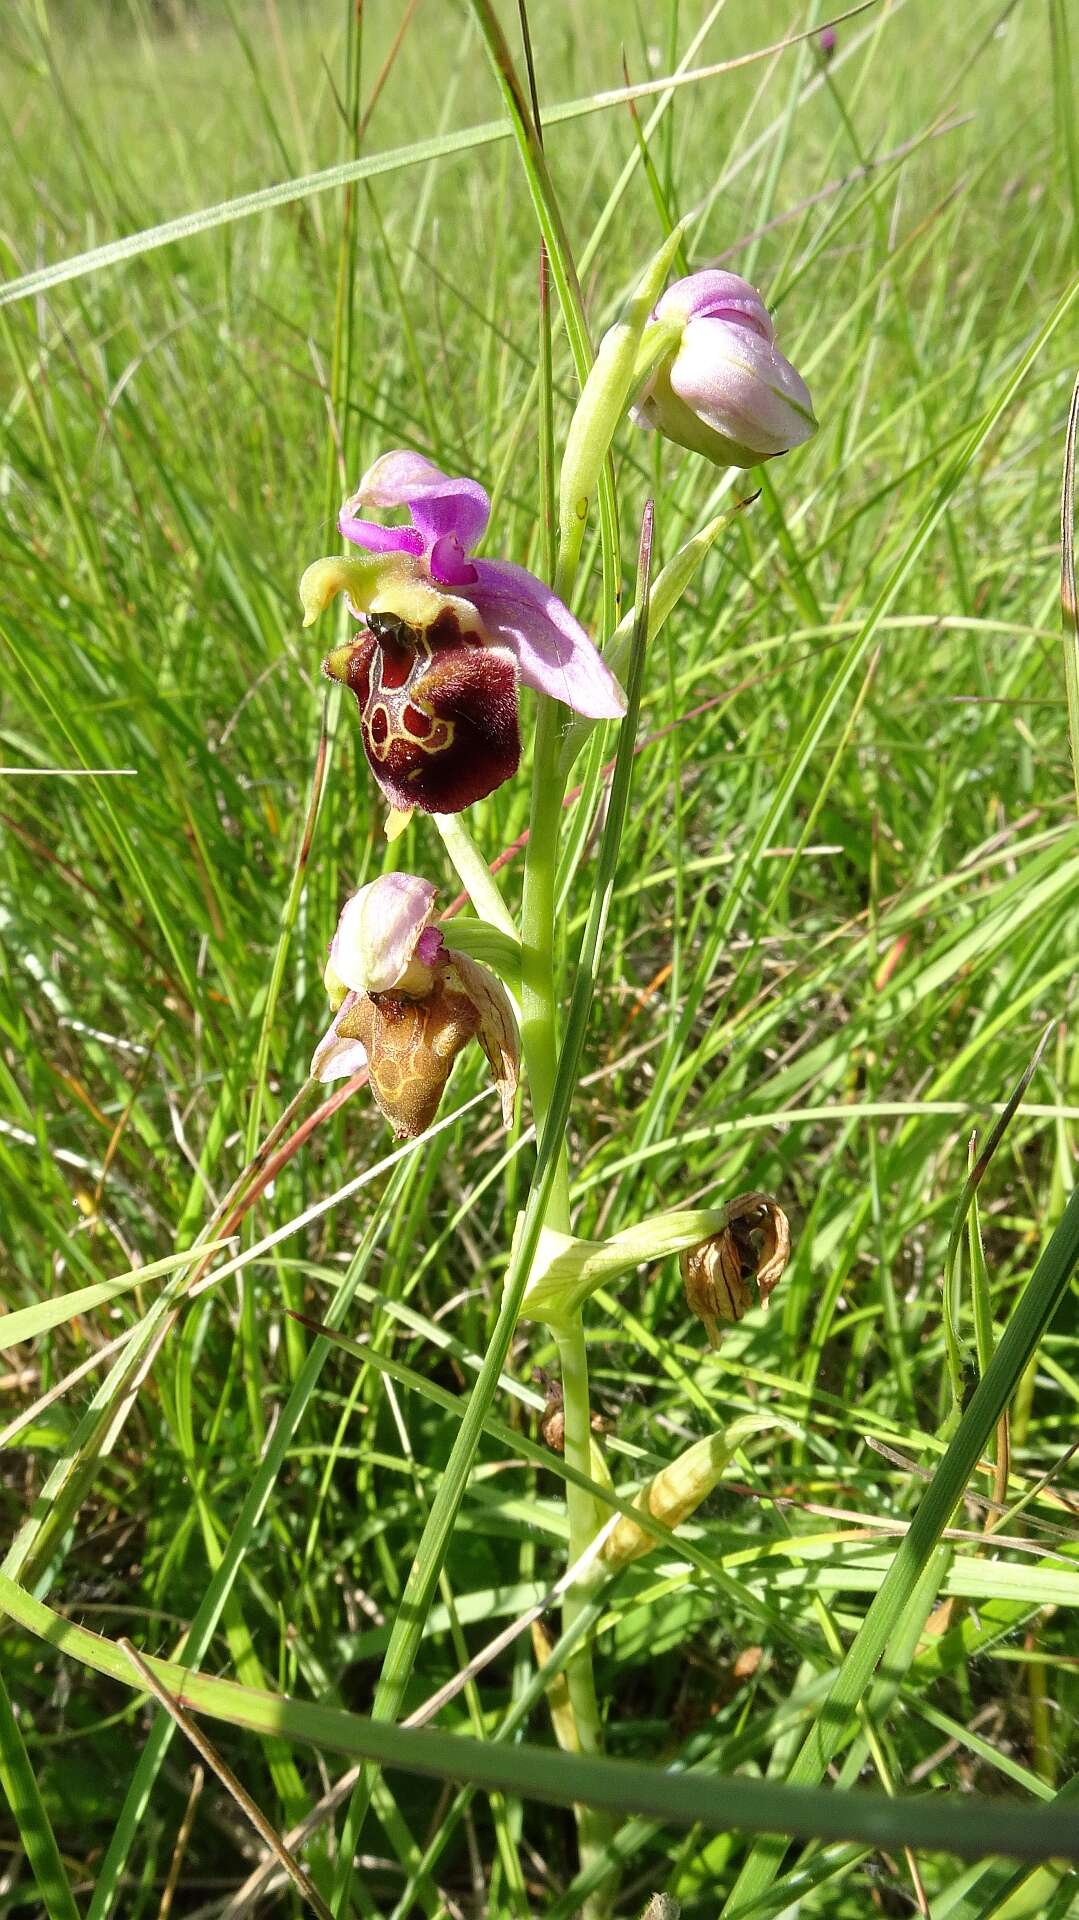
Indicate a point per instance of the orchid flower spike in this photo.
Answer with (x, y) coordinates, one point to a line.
(405, 1004)
(447, 640)
(724, 389)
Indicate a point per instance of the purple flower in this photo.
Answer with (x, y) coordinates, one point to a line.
(448, 640)
(724, 390)
(826, 41)
(405, 1005)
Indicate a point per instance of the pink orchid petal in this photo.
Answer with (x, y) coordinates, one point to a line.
(378, 539)
(429, 946)
(379, 929)
(440, 504)
(712, 295)
(741, 386)
(554, 652)
(450, 564)
(337, 1058)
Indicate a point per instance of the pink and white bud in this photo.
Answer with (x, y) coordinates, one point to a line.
(384, 940)
(725, 390)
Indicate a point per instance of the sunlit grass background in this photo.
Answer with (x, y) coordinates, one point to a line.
(821, 990)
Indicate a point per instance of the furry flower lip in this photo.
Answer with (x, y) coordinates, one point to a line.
(724, 389)
(404, 1005)
(447, 639)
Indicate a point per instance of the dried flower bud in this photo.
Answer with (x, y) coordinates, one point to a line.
(677, 1491)
(755, 1244)
(553, 1422)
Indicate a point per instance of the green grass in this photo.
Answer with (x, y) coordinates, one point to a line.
(845, 907)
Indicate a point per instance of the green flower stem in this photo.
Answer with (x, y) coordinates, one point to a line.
(474, 873)
(540, 1042)
(539, 1039)
(594, 1828)
(539, 1019)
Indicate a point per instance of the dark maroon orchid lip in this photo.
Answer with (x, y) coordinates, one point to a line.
(447, 641)
(438, 713)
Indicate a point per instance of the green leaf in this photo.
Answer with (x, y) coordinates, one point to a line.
(959, 1823)
(31, 1820)
(26, 1322)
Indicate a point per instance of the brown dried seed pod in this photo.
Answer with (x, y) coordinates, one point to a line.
(755, 1245)
(553, 1419)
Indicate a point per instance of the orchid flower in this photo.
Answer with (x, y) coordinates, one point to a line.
(447, 639)
(405, 1004)
(724, 389)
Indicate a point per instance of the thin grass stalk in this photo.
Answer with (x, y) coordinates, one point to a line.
(223, 1578)
(1069, 603)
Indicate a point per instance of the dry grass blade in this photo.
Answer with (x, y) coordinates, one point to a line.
(198, 1776)
(229, 1781)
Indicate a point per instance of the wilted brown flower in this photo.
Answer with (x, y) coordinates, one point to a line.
(755, 1244)
(405, 1005)
(553, 1418)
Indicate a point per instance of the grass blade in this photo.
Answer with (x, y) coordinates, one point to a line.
(31, 1820)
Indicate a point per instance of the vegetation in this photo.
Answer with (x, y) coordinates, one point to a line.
(844, 915)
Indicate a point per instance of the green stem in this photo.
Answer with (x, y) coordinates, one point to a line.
(539, 1018)
(474, 873)
(594, 1828)
(539, 1039)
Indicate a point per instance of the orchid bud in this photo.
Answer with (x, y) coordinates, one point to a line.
(677, 1490)
(754, 1244)
(724, 389)
(604, 398)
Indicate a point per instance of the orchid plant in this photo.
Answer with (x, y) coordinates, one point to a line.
(446, 640)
